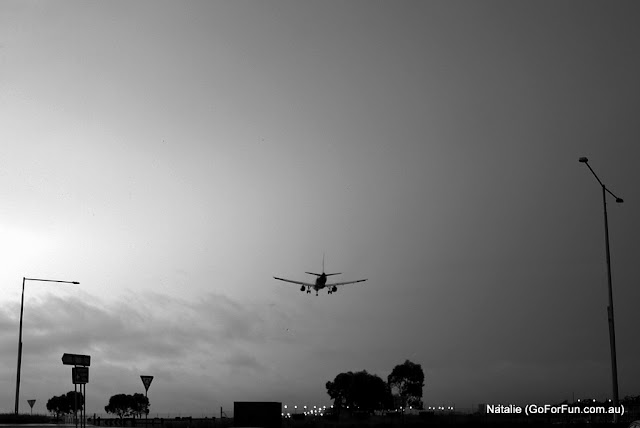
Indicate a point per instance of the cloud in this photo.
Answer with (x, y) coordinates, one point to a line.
(185, 344)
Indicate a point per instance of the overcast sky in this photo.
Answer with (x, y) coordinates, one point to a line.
(173, 157)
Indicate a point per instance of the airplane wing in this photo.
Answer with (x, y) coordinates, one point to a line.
(336, 284)
(294, 282)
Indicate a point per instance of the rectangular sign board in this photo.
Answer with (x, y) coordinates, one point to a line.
(76, 360)
(80, 375)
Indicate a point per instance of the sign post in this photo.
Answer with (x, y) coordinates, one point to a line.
(79, 376)
(31, 403)
(146, 381)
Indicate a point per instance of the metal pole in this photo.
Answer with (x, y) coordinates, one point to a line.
(20, 334)
(612, 333)
(19, 348)
(612, 330)
(75, 404)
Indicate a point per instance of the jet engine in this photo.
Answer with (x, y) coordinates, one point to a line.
(302, 288)
(334, 289)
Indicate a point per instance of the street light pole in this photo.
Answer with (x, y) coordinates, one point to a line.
(20, 334)
(612, 330)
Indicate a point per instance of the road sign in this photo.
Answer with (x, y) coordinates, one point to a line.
(80, 375)
(146, 380)
(76, 360)
(31, 402)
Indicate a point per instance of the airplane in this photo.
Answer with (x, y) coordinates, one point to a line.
(321, 282)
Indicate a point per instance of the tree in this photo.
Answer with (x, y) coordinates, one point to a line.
(140, 404)
(408, 380)
(369, 391)
(359, 390)
(340, 390)
(58, 405)
(64, 404)
(72, 400)
(127, 405)
(121, 405)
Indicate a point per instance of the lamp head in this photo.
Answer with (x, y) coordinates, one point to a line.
(583, 159)
(76, 282)
(619, 200)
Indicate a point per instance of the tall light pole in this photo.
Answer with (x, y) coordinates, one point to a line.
(20, 335)
(612, 330)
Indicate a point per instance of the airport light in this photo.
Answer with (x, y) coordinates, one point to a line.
(20, 333)
(612, 330)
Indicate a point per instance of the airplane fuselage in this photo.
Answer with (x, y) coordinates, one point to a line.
(320, 282)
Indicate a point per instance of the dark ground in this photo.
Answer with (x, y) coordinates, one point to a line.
(413, 421)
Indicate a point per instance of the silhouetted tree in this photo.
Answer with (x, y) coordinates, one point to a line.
(64, 404)
(72, 402)
(370, 392)
(408, 379)
(58, 405)
(359, 390)
(140, 404)
(121, 405)
(340, 390)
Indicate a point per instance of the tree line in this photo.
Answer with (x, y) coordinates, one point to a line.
(368, 392)
(121, 405)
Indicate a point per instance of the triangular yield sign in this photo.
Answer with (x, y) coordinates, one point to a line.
(146, 380)
(31, 402)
